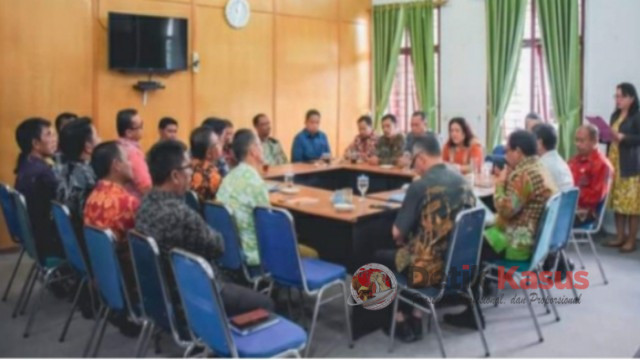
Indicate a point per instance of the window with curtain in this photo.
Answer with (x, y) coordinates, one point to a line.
(532, 92)
(403, 100)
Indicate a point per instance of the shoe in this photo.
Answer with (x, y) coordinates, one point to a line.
(127, 327)
(404, 332)
(416, 327)
(464, 319)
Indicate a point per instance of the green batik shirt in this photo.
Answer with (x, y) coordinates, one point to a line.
(242, 190)
(273, 153)
(389, 150)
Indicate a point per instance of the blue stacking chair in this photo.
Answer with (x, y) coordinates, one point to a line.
(75, 257)
(463, 254)
(280, 258)
(544, 237)
(191, 198)
(44, 267)
(219, 218)
(584, 233)
(11, 220)
(111, 287)
(157, 308)
(208, 321)
(562, 234)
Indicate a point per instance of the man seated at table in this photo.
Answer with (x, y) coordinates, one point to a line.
(271, 148)
(521, 194)
(591, 171)
(205, 151)
(223, 130)
(390, 146)
(424, 224)
(243, 189)
(547, 139)
(166, 217)
(310, 143)
(363, 146)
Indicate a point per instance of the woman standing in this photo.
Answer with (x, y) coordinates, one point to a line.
(462, 149)
(624, 154)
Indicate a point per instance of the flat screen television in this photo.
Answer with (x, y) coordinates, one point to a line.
(147, 44)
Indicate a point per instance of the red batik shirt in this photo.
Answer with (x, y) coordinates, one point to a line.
(590, 174)
(111, 206)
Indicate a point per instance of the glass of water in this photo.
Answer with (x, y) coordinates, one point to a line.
(363, 186)
(288, 179)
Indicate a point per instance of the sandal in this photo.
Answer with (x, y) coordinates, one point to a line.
(614, 243)
(628, 248)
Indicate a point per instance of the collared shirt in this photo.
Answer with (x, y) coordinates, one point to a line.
(309, 147)
(222, 166)
(76, 179)
(519, 203)
(273, 152)
(365, 146)
(462, 155)
(36, 181)
(111, 206)
(242, 190)
(206, 179)
(410, 140)
(591, 173)
(228, 156)
(139, 168)
(427, 217)
(389, 150)
(558, 169)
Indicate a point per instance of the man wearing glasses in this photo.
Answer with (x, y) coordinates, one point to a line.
(129, 125)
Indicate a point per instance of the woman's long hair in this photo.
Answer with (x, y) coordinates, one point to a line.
(466, 130)
(627, 89)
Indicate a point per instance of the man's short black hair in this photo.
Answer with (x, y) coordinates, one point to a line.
(389, 117)
(166, 121)
(242, 140)
(216, 124)
(256, 119)
(73, 138)
(421, 114)
(533, 116)
(547, 135)
(311, 113)
(523, 140)
(366, 119)
(428, 144)
(103, 156)
(63, 119)
(200, 141)
(163, 158)
(124, 121)
(29, 130)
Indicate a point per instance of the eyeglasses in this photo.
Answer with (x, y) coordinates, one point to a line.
(185, 167)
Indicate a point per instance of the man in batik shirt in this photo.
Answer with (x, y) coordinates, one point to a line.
(273, 153)
(205, 151)
(390, 146)
(363, 146)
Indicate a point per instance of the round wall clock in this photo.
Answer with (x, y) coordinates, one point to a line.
(237, 13)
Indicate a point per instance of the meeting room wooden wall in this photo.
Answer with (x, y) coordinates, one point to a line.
(293, 55)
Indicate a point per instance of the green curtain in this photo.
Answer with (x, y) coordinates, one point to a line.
(561, 40)
(388, 25)
(420, 24)
(505, 26)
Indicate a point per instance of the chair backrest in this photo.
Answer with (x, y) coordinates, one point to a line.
(546, 226)
(278, 245)
(62, 218)
(106, 267)
(566, 215)
(156, 303)
(202, 302)
(463, 252)
(193, 201)
(219, 218)
(24, 227)
(9, 212)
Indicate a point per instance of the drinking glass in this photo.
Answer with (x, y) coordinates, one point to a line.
(288, 179)
(363, 186)
(326, 157)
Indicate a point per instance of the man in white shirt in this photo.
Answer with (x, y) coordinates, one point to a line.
(550, 158)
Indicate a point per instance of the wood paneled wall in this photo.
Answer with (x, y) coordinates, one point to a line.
(294, 55)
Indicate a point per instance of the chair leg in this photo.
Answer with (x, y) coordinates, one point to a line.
(533, 314)
(476, 315)
(83, 282)
(574, 240)
(289, 303)
(312, 329)
(13, 276)
(436, 325)
(142, 338)
(101, 313)
(553, 305)
(101, 334)
(188, 350)
(25, 302)
(392, 332)
(347, 317)
(37, 305)
(595, 253)
(23, 292)
(566, 265)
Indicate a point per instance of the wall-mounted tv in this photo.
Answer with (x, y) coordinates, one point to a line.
(147, 44)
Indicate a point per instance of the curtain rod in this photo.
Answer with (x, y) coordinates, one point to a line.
(434, 3)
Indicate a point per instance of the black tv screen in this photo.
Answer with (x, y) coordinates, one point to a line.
(140, 43)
